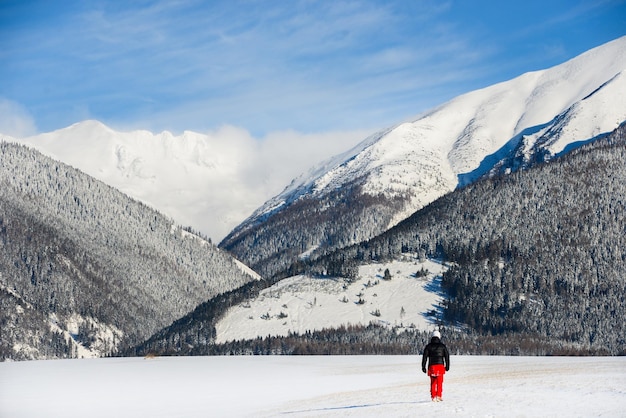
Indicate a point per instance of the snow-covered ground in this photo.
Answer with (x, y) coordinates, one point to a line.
(300, 303)
(318, 386)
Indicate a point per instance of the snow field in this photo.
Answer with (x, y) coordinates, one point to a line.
(302, 303)
(312, 386)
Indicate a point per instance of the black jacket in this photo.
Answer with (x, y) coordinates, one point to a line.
(435, 352)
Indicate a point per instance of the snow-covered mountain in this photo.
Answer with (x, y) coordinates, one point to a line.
(85, 269)
(399, 170)
(209, 181)
(192, 177)
(211, 184)
(545, 110)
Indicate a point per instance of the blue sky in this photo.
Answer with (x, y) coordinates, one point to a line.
(268, 66)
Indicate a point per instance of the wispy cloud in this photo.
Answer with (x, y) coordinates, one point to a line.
(15, 120)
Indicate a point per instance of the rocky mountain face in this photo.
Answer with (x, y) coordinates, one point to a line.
(85, 270)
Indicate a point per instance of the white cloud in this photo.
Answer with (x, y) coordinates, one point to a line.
(15, 120)
(254, 170)
(287, 154)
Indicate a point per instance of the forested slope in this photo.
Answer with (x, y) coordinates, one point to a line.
(540, 251)
(85, 269)
(336, 220)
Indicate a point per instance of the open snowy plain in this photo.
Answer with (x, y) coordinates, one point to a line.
(322, 386)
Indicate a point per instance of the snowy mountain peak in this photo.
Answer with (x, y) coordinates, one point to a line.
(464, 138)
(190, 177)
(392, 174)
(205, 181)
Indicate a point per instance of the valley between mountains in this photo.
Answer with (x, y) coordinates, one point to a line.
(498, 216)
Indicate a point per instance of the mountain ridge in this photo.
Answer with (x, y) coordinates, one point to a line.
(454, 144)
(200, 175)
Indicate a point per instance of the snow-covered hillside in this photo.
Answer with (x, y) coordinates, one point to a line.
(410, 298)
(188, 177)
(320, 386)
(209, 181)
(461, 140)
(85, 269)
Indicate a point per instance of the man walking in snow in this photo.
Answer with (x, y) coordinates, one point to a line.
(436, 353)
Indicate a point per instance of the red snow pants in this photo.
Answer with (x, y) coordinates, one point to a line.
(436, 372)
